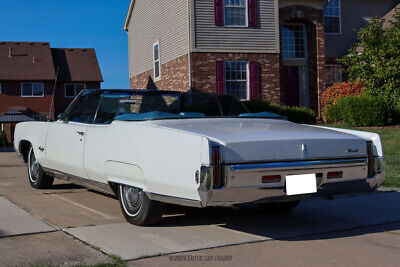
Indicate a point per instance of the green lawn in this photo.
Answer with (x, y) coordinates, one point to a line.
(391, 149)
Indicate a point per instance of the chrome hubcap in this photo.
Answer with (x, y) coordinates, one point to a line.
(132, 199)
(33, 168)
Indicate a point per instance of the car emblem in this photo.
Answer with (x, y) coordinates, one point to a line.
(304, 151)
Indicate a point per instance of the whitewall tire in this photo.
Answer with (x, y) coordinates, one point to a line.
(137, 208)
(37, 177)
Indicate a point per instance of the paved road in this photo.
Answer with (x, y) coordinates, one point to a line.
(71, 225)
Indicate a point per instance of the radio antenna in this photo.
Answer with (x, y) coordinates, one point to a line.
(54, 91)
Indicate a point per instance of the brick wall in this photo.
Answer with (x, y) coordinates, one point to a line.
(203, 69)
(174, 76)
(10, 99)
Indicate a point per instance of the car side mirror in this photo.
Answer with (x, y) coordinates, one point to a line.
(63, 117)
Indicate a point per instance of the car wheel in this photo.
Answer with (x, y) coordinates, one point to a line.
(37, 177)
(137, 208)
(279, 207)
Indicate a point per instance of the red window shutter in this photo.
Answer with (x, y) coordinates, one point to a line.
(219, 12)
(252, 13)
(220, 77)
(254, 80)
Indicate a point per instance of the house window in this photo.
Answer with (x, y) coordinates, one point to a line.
(236, 79)
(294, 41)
(0, 89)
(39, 117)
(332, 17)
(235, 12)
(73, 89)
(32, 89)
(156, 57)
(333, 74)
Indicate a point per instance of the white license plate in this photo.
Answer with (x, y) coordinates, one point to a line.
(301, 184)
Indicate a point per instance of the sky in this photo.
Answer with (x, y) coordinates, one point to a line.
(73, 24)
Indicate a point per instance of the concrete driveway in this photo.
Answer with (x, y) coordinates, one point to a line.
(71, 225)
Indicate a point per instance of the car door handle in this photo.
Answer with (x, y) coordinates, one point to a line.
(80, 133)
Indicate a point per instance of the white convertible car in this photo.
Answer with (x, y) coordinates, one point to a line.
(194, 149)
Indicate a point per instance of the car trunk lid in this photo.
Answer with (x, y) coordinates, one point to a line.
(257, 140)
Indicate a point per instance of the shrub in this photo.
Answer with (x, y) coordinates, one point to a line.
(299, 114)
(340, 90)
(395, 112)
(332, 114)
(360, 111)
(3, 139)
(294, 114)
(256, 106)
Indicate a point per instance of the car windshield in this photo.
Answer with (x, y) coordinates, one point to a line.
(157, 105)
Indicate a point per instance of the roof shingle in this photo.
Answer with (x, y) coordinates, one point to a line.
(26, 61)
(36, 61)
(77, 65)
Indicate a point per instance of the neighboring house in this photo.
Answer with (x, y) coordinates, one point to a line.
(280, 50)
(28, 73)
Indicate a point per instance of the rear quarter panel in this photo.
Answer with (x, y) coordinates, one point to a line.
(159, 160)
(373, 137)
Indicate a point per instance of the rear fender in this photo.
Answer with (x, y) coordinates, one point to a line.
(125, 173)
(373, 137)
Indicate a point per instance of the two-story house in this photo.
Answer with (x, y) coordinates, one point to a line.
(39, 82)
(281, 50)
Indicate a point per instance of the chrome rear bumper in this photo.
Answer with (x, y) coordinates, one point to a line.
(243, 182)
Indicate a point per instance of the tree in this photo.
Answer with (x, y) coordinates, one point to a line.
(375, 59)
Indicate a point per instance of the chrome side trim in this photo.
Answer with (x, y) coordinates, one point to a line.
(299, 164)
(174, 200)
(94, 185)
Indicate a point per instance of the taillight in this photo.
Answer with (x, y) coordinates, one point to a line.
(217, 168)
(271, 179)
(371, 163)
(334, 175)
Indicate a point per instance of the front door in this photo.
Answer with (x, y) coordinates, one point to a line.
(290, 84)
(64, 147)
(295, 60)
(66, 138)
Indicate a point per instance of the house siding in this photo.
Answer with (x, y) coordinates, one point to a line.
(163, 21)
(263, 38)
(354, 15)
